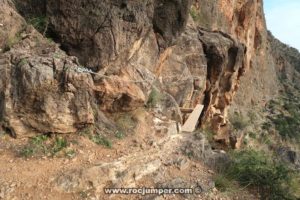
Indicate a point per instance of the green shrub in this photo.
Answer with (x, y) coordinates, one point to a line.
(266, 126)
(256, 169)
(43, 145)
(101, 140)
(59, 144)
(119, 135)
(286, 123)
(265, 138)
(35, 145)
(195, 14)
(23, 61)
(252, 135)
(272, 104)
(154, 98)
(238, 121)
(39, 23)
(287, 127)
(91, 133)
(223, 183)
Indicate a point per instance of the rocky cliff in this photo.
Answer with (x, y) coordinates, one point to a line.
(109, 55)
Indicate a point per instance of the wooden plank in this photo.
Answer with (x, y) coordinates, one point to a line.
(191, 122)
(186, 110)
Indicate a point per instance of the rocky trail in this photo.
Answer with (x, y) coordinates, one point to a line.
(172, 160)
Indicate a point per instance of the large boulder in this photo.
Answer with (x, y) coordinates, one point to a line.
(41, 91)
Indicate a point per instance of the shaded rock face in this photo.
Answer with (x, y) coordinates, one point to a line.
(30, 8)
(100, 32)
(225, 66)
(170, 17)
(97, 32)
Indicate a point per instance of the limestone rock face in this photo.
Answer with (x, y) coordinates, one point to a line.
(225, 66)
(244, 21)
(142, 38)
(194, 52)
(117, 94)
(44, 90)
(183, 68)
(41, 91)
(170, 18)
(99, 32)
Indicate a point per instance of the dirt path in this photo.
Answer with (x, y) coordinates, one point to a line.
(149, 160)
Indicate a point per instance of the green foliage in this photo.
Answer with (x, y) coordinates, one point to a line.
(256, 169)
(23, 61)
(266, 126)
(195, 14)
(101, 140)
(154, 98)
(265, 138)
(190, 155)
(39, 23)
(287, 122)
(59, 144)
(36, 144)
(119, 135)
(223, 183)
(2, 133)
(273, 104)
(286, 114)
(238, 121)
(287, 126)
(252, 135)
(43, 145)
(95, 137)
(295, 185)
(83, 194)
